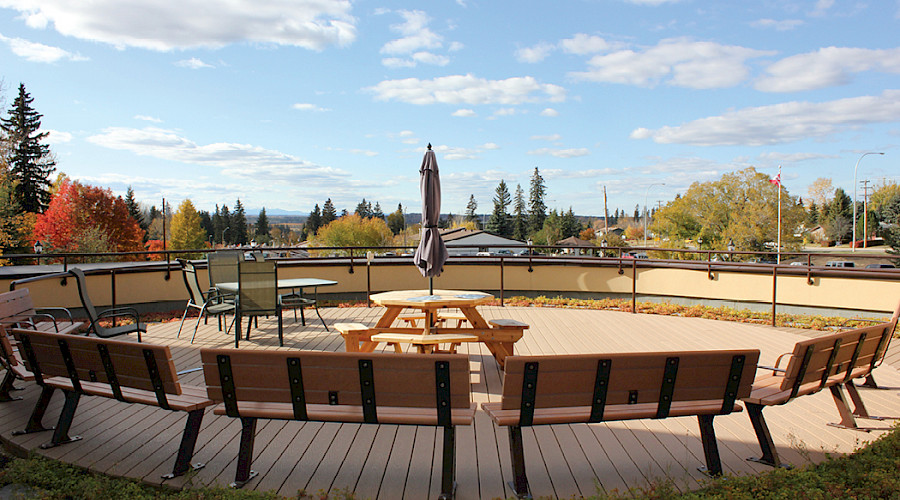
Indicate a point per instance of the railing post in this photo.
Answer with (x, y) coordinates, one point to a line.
(112, 281)
(351, 260)
(368, 283)
(633, 286)
(501, 280)
(774, 291)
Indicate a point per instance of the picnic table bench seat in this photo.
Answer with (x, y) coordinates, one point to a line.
(126, 371)
(590, 388)
(442, 317)
(371, 388)
(830, 361)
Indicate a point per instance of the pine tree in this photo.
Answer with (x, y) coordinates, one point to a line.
(520, 222)
(537, 210)
(499, 222)
(313, 222)
(31, 162)
(364, 209)
(377, 213)
(134, 210)
(570, 225)
(396, 220)
(239, 224)
(262, 223)
(227, 230)
(471, 207)
(328, 212)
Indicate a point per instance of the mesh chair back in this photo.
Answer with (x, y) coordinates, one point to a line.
(223, 267)
(190, 281)
(258, 291)
(83, 295)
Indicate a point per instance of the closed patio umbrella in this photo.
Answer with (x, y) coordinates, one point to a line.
(431, 252)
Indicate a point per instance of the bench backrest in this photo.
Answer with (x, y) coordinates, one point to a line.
(88, 359)
(16, 303)
(601, 380)
(835, 358)
(363, 380)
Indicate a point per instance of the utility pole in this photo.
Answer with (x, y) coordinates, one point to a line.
(605, 214)
(865, 184)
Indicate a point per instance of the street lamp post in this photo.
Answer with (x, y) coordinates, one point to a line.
(853, 234)
(645, 207)
(223, 234)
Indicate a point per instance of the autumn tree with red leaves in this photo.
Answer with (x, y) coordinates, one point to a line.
(82, 218)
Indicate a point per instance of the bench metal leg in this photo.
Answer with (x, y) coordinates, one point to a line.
(517, 455)
(186, 450)
(37, 414)
(245, 454)
(710, 447)
(767, 445)
(61, 433)
(848, 418)
(448, 469)
(6, 386)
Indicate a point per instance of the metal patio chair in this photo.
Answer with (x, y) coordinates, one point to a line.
(95, 317)
(209, 303)
(257, 296)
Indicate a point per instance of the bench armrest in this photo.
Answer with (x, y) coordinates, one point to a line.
(67, 312)
(189, 370)
(774, 369)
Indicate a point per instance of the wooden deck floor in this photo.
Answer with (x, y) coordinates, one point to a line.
(392, 462)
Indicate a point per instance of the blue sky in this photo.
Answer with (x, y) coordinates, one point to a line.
(284, 103)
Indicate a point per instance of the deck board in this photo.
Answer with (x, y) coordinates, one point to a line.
(390, 462)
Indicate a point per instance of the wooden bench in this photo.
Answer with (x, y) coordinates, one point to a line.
(127, 371)
(831, 361)
(17, 310)
(567, 389)
(15, 369)
(425, 343)
(372, 388)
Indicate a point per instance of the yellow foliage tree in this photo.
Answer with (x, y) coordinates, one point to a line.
(187, 233)
(353, 231)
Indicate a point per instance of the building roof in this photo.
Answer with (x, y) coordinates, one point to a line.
(572, 241)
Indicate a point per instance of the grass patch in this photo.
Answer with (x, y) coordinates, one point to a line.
(870, 472)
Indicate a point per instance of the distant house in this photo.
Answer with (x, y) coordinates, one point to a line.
(817, 233)
(478, 241)
(579, 246)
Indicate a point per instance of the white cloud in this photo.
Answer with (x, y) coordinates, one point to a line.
(679, 62)
(826, 67)
(534, 54)
(236, 160)
(468, 89)
(550, 112)
(550, 138)
(147, 118)
(780, 123)
(38, 52)
(505, 112)
(560, 153)
(417, 42)
(193, 63)
(305, 106)
(783, 25)
(583, 44)
(464, 113)
(57, 137)
(821, 7)
(163, 26)
(795, 157)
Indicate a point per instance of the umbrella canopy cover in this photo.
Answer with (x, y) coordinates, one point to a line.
(431, 252)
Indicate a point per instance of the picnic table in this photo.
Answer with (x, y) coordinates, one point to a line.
(499, 335)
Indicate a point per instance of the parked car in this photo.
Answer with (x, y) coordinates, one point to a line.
(635, 255)
(504, 252)
(483, 254)
(839, 263)
(880, 266)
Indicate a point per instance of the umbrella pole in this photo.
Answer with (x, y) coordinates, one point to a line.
(430, 285)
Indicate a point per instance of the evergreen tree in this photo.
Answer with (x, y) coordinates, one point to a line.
(227, 230)
(206, 223)
(239, 224)
(537, 210)
(313, 222)
(377, 213)
(12, 237)
(812, 217)
(364, 209)
(30, 162)
(471, 207)
(499, 222)
(570, 226)
(134, 210)
(520, 222)
(328, 212)
(396, 221)
(262, 223)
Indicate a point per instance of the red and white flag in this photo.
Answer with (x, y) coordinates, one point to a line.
(776, 180)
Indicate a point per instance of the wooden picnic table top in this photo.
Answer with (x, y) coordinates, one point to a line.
(421, 299)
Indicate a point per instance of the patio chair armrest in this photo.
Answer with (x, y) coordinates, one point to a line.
(120, 311)
(189, 370)
(64, 310)
(774, 369)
